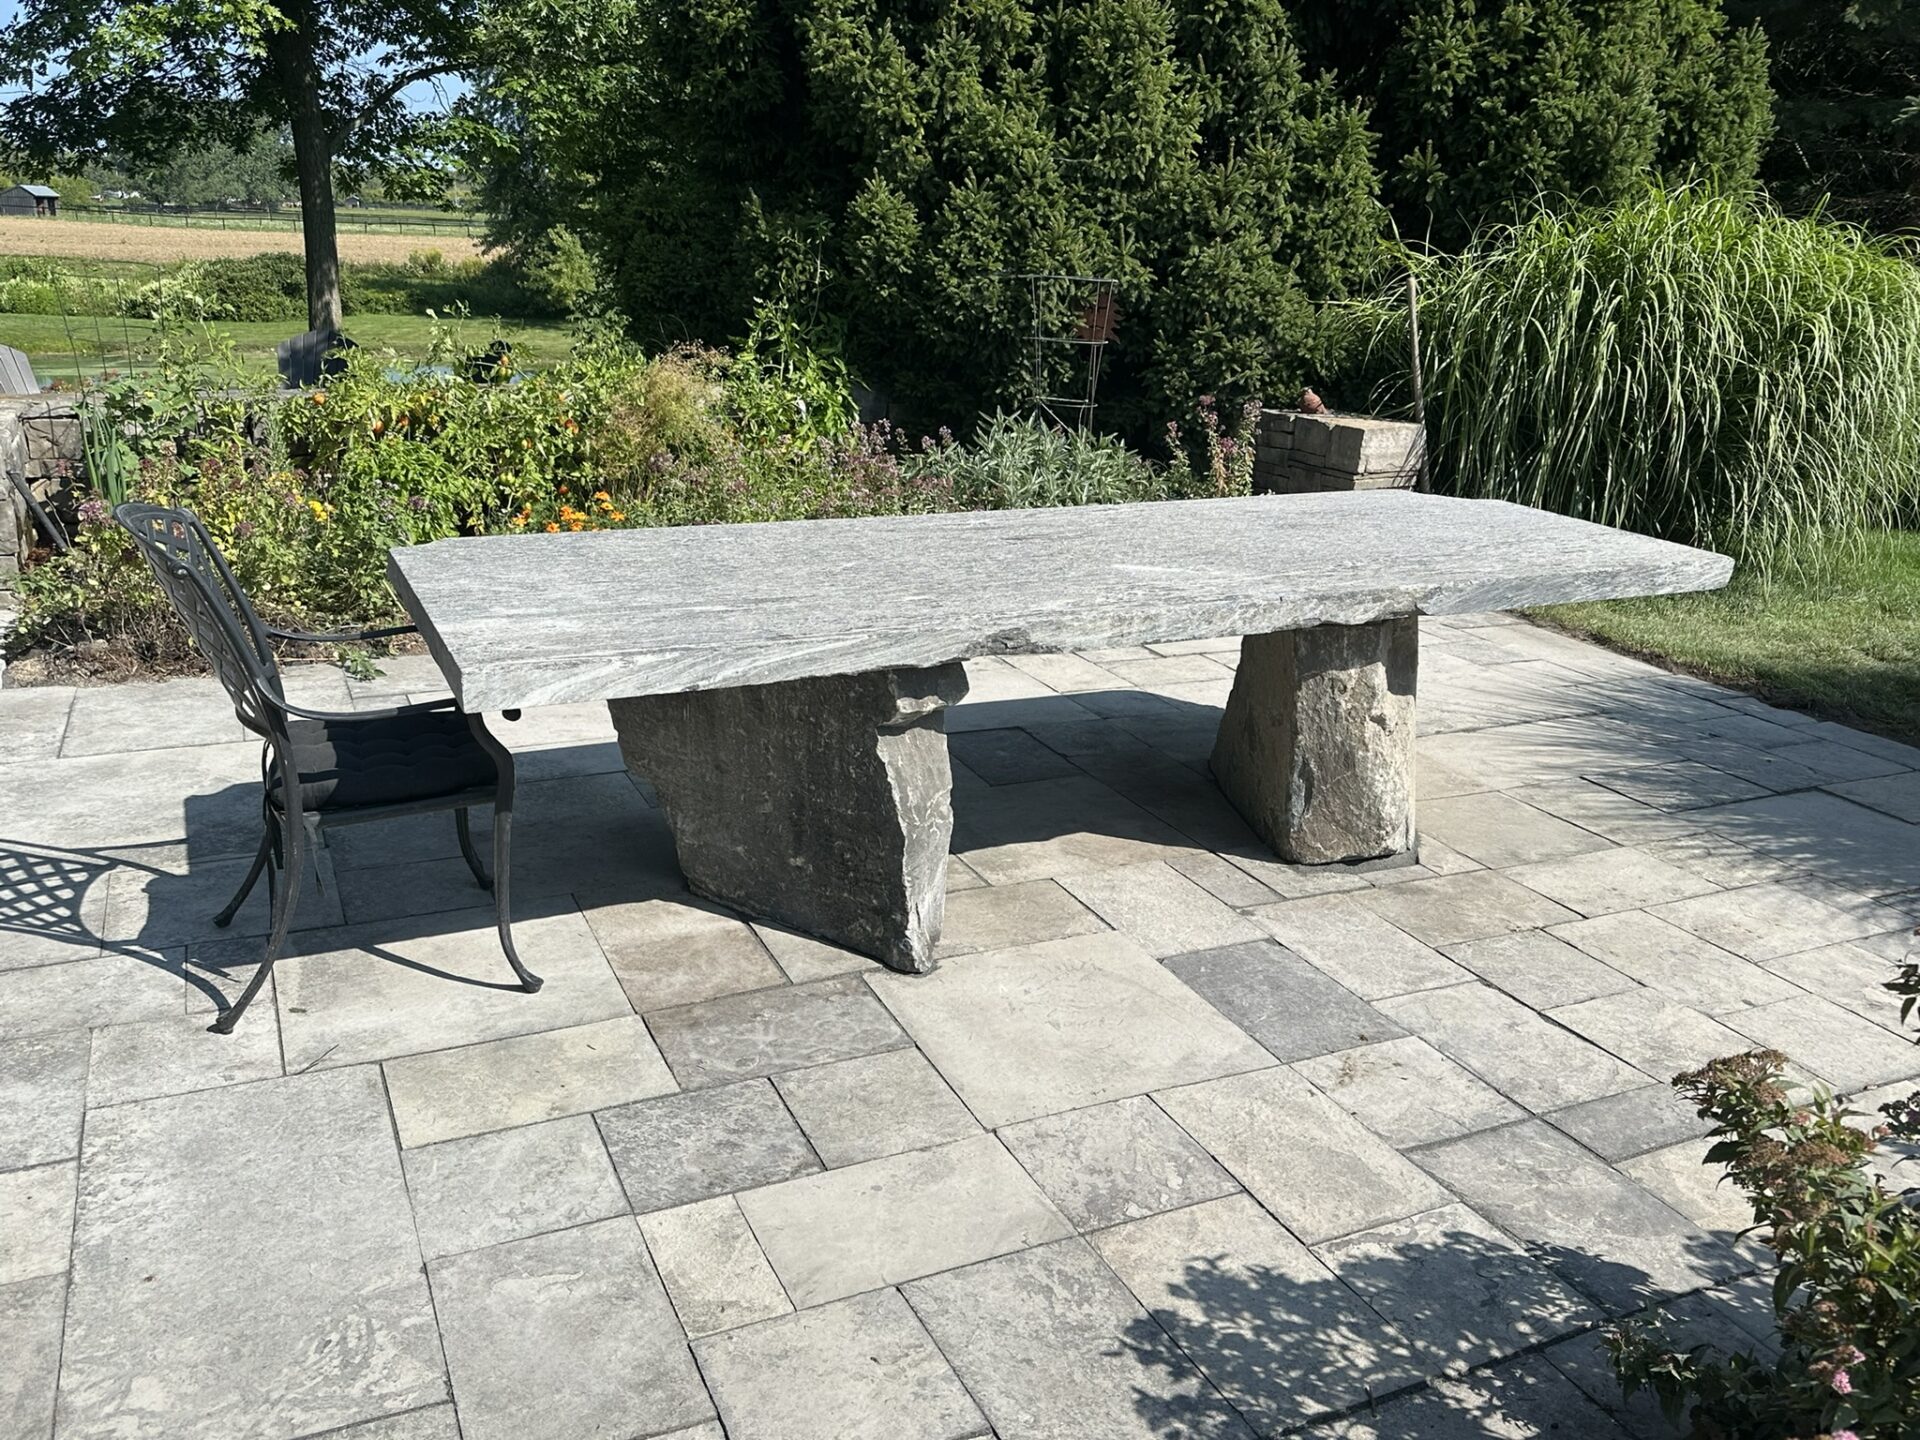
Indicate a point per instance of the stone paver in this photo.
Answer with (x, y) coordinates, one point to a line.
(1032, 1031)
(508, 1184)
(1618, 1127)
(566, 1336)
(764, 1032)
(1302, 1156)
(1538, 970)
(524, 1079)
(1282, 1001)
(713, 1268)
(30, 1318)
(858, 1369)
(1843, 1050)
(680, 1148)
(112, 990)
(1161, 908)
(1407, 1092)
(1825, 835)
(1497, 830)
(1528, 1400)
(1680, 965)
(293, 1184)
(874, 1105)
(1120, 1161)
(1651, 1032)
(1764, 922)
(43, 1088)
(1847, 974)
(1609, 880)
(1356, 947)
(1052, 1346)
(38, 1204)
(1454, 908)
(884, 1221)
(996, 917)
(678, 951)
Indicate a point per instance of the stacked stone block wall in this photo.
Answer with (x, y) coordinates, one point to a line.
(40, 439)
(1295, 452)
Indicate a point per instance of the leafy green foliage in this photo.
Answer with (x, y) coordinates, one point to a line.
(1018, 463)
(1687, 365)
(1484, 107)
(1847, 1294)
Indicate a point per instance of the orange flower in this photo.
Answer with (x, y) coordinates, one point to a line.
(319, 397)
(552, 528)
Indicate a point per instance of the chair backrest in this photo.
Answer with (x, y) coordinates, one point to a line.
(16, 373)
(198, 583)
(306, 358)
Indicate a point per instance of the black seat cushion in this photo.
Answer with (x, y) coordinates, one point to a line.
(351, 764)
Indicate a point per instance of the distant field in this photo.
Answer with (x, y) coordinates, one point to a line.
(70, 348)
(108, 240)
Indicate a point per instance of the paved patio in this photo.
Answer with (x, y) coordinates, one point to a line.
(1178, 1142)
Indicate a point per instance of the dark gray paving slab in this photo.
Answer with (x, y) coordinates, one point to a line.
(1460, 1291)
(30, 1313)
(1055, 828)
(714, 1270)
(874, 1105)
(1680, 965)
(1120, 1161)
(1407, 1092)
(1052, 579)
(1356, 947)
(680, 1148)
(1525, 1399)
(1280, 1000)
(1618, 1127)
(884, 1221)
(1258, 1312)
(1054, 1347)
(1537, 969)
(1603, 1234)
(764, 1032)
(1007, 757)
(43, 1087)
(1681, 786)
(293, 1184)
(858, 1369)
(1514, 1049)
(509, 1184)
(565, 1336)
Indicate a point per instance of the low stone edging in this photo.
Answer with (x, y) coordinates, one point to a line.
(1294, 452)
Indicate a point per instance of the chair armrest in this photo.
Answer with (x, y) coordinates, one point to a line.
(346, 637)
(445, 702)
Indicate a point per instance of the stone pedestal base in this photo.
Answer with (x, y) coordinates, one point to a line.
(1316, 749)
(823, 804)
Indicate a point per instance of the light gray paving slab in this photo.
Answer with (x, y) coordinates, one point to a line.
(884, 1221)
(209, 792)
(1829, 760)
(993, 917)
(679, 950)
(1453, 908)
(30, 1314)
(1845, 1051)
(1907, 756)
(1895, 795)
(1162, 670)
(1762, 922)
(1680, 786)
(1768, 768)
(387, 990)
(1460, 1291)
(1824, 835)
(1514, 1049)
(1356, 947)
(1066, 673)
(1850, 975)
(33, 721)
(1161, 908)
(1618, 817)
(1407, 1092)
(1610, 880)
(1287, 1005)
(1618, 1127)
(804, 958)
(764, 1032)
(1727, 863)
(1054, 828)
(858, 1369)
(713, 1268)
(874, 1105)
(508, 1184)
(524, 1079)
(36, 1221)
(1054, 1347)
(1051, 1027)
(167, 1057)
(1681, 1175)
(115, 719)
(1678, 964)
(1534, 751)
(1646, 1029)
(1525, 1399)
(53, 904)
(1691, 1321)
(1224, 880)
(1538, 970)
(1603, 1234)
(1497, 830)
(435, 1422)
(1293, 881)
(293, 1184)
(566, 1336)
(43, 1088)
(1264, 1319)
(1114, 1162)
(680, 1148)
(112, 990)
(1301, 1155)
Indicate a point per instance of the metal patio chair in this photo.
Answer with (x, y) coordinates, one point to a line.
(320, 769)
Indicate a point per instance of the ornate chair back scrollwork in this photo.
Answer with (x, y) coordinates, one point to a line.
(321, 768)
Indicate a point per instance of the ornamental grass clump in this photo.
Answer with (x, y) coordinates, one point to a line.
(1690, 365)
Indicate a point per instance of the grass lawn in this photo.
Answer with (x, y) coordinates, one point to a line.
(1840, 638)
(68, 347)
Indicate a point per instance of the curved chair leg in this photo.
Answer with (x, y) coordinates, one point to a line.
(466, 849)
(502, 839)
(225, 917)
(286, 896)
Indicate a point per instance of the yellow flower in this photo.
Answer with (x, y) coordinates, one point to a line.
(322, 513)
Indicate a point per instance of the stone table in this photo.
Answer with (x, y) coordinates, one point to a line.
(783, 685)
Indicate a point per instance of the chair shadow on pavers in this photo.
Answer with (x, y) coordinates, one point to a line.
(1357, 1327)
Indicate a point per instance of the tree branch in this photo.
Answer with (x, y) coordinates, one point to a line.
(350, 123)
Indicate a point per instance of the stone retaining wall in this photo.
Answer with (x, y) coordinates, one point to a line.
(39, 438)
(1296, 452)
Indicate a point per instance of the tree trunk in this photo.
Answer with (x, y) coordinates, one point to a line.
(292, 51)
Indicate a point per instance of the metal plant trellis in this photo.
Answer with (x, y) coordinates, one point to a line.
(1066, 361)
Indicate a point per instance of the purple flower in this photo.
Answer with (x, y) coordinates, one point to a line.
(243, 531)
(1842, 1383)
(93, 512)
(416, 503)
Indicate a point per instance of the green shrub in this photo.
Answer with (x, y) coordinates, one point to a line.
(1689, 365)
(1017, 464)
(559, 270)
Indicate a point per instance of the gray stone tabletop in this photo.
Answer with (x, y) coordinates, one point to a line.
(525, 620)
